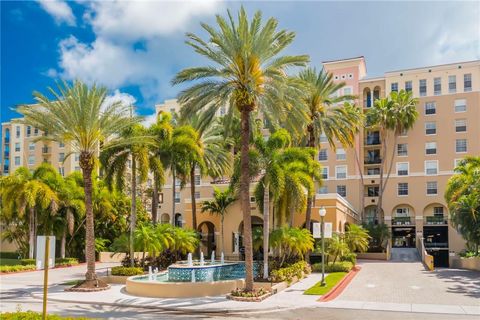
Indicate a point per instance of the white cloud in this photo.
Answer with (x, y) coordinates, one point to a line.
(124, 98)
(149, 120)
(59, 10)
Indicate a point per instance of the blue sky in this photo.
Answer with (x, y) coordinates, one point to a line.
(135, 48)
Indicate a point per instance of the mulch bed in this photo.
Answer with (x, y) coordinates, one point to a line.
(249, 299)
(89, 286)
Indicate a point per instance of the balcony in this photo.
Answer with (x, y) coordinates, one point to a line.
(46, 150)
(372, 161)
(436, 220)
(372, 141)
(401, 221)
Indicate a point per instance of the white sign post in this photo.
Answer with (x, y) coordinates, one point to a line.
(317, 233)
(40, 256)
(328, 230)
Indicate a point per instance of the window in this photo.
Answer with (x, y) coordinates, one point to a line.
(461, 145)
(342, 190)
(341, 154)
(31, 146)
(35, 131)
(177, 197)
(452, 84)
(323, 155)
(178, 183)
(61, 157)
(394, 86)
(197, 179)
(373, 171)
(77, 168)
(61, 170)
(402, 212)
(325, 173)
(372, 191)
(460, 105)
(402, 149)
(323, 137)
(17, 160)
(402, 168)
(432, 188)
(160, 197)
(460, 125)
(408, 86)
(437, 86)
(252, 199)
(77, 156)
(431, 148)
(456, 163)
(61, 145)
(423, 87)
(323, 190)
(197, 195)
(430, 108)
(29, 131)
(31, 160)
(347, 91)
(467, 82)
(341, 172)
(17, 131)
(430, 128)
(402, 189)
(438, 211)
(17, 146)
(431, 167)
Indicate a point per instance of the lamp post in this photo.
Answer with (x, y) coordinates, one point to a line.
(323, 212)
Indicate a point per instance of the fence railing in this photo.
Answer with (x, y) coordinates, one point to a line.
(426, 258)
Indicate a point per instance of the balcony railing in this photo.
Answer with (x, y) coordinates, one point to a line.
(45, 150)
(433, 220)
(372, 161)
(436, 244)
(401, 221)
(372, 141)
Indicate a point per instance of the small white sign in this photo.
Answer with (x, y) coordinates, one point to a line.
(328, 230)
(41, 241)
(317, 230)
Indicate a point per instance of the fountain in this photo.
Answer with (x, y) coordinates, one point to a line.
(212, 259)
(202, 262)
(189, 260)
(193, 275)
(150, 276)
(222, 258)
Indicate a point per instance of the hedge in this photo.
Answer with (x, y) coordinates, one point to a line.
(30, 315)
(66, 262)
(298, 269)
(126, 271)
(340, 266)
(17, 268)
(9, 255)
(27, 262)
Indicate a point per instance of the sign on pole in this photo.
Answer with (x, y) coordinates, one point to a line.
(317, 233)
(40, 256)
(328, 230)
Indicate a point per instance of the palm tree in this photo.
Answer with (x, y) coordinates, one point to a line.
(334, 122)
(247, 72)
(24, 191)
(391, 116)
(81, 115)
(356, 238)
(133, 153)
(219, 205)
(291, 242)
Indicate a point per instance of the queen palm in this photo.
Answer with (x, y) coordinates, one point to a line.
(324, 118)
(391, 116)
(24, 191)
(81, 116)
(134, 153)
(218, 206)
(247, 72)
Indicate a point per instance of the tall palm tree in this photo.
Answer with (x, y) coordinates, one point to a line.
(134, 153)
(324, 117)
(391, 116)
(218, 206)
(81, 115)
(247, 72)
(24, 191)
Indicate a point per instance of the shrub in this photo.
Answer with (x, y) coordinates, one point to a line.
(26, 262)
(288, 273)
(249, 294)
(30, 315)
(9, 255)
(126, 271)
(351, 257)
(66, 262)
(342, 266)
(17, 268)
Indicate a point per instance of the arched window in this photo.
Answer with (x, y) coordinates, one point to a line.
(178, 220)
(165, 218)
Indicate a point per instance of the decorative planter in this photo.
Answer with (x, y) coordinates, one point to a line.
(249, 299)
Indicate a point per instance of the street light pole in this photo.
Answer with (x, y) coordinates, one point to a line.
(322, 212)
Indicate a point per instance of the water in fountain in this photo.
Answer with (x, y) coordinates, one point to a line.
(193, 275)
(222, 258)
(150, 277)
(202, 262)
(189, 258)
(213, 257)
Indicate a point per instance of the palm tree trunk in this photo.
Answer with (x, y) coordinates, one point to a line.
(133, 211)
(362, 185)
(395, 139)
(266, 228)
(382, 164)
(310, 199)
(63, 243)
(173, 196)
(192, 194)
(86, 163)
(245, 196)
(155, 204)
(223, 237)
(31, 233)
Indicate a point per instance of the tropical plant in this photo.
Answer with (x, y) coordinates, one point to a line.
(463, 199)
(357, 238)
(291, 242)
(391, 116)
(247, 72)
(82, 117)
(379, 236)
(24, 191)
(320, 98)
(337, 247)
(218, 206)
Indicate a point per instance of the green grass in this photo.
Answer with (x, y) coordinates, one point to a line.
(9, 262)
(331, 280)
(71, 282)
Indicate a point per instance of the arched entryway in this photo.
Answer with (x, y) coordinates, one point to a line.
(165, 218)
(178, 220)
(207, 237)
(257, 223)
(435, 233)
(371, 215)
(403, 226)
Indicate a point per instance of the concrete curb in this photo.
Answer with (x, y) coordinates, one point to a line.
(339, 287)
